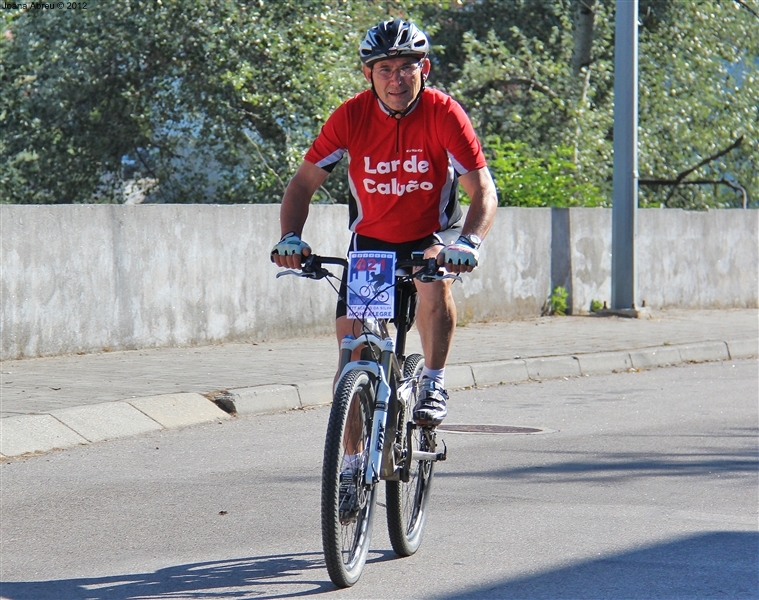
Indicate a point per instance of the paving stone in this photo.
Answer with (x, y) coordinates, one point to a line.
(458, 377)
(315, 393)
(604, 362)
(35, 433)
(99, 422)
(743, 348)
(179, 410)
(552, 367)
(500, 371)
(704, 352)
(265, 399)
(655, 357)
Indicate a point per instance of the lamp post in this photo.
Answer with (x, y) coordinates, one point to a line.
(625, 187)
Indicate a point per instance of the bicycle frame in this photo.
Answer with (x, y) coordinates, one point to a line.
(388, 372)
(387, 369)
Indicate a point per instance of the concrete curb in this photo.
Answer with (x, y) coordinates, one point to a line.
(743, 348)
(76, 426)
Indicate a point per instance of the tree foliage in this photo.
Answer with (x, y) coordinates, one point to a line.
(218, 101)
(549, 180)
(213, 101)
(519, 77)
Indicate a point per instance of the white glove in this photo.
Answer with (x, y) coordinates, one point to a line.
(460, 253)
(290, 244)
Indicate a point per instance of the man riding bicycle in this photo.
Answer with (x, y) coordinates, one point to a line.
(408, 146)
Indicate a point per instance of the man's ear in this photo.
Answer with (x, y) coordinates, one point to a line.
(426, 66)
(367, 73)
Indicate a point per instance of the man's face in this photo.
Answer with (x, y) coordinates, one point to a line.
(397, 81)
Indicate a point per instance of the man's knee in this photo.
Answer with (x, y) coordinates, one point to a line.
(436, 293)
(345, 326)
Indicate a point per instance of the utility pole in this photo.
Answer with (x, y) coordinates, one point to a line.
(625, 190)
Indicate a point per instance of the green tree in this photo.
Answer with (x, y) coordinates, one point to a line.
(699, 85)
(218, 102)
(209, 101)
(541, 72)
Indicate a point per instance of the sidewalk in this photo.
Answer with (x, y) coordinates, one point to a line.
(59, 402)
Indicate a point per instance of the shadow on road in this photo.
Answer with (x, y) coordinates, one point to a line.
(619, 466)
(252, 577)
(710, 565)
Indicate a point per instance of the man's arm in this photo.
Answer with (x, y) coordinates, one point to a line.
(481, 190)
(295, 204)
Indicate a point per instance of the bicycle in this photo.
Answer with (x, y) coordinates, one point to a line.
(371, 419)
(373, 291)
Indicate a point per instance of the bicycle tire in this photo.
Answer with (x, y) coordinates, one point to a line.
(346, 544)
(406, 501)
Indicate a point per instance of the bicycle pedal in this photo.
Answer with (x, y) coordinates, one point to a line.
(444, 454)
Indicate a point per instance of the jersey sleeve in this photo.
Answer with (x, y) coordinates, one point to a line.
(331, 143)
(461, 142)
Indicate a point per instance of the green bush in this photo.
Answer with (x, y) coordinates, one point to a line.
(559, 301)
(526, 180)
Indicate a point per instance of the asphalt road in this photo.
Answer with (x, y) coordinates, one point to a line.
(642, 485)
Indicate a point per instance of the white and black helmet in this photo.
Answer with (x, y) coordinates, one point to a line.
(390, 39)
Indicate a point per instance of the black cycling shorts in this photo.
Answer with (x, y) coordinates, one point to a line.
(402, 251)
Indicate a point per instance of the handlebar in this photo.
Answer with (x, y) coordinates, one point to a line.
(430, 271)
(313, 269)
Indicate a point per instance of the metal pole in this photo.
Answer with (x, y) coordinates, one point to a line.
(625, 192)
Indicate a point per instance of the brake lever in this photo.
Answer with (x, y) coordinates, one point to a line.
(307, 274)
(436, 277)
(290, 272)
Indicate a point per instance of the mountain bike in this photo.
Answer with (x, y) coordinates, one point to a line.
(371, 423)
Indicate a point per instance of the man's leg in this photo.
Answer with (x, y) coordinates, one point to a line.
(436, 322)
(352, 440)
(435, 317)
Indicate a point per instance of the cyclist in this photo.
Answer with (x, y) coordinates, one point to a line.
(409, 146)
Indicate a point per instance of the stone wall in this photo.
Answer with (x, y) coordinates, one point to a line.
(84, 278)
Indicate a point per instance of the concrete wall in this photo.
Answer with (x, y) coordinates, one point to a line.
(83, 278)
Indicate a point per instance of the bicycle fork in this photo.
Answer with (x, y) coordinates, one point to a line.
(382, 394)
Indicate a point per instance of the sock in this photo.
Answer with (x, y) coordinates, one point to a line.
(437, 375)
(351, 462)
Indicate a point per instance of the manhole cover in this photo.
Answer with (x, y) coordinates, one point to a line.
(488, 429)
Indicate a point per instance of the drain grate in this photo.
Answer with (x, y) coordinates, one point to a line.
(488, 429)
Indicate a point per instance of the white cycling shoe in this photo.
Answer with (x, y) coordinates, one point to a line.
(430, 409)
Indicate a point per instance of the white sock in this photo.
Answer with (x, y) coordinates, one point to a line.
(437, 375)
(351, 462)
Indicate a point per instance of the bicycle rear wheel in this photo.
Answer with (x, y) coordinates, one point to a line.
(407, 500)
(346, 534)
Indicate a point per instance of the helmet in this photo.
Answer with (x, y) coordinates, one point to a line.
(390, 39)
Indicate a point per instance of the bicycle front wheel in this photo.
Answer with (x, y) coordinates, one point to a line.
(407, 500)
(347, 503)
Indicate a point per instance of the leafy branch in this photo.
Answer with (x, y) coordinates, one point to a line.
(264, 161)
(679, 180)
(747, 7)
(503, 85)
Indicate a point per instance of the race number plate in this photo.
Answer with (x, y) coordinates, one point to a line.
(371, 276)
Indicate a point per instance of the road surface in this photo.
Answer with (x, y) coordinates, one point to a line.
(639, 485)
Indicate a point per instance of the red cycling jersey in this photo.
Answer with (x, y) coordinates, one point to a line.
(402, 174)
